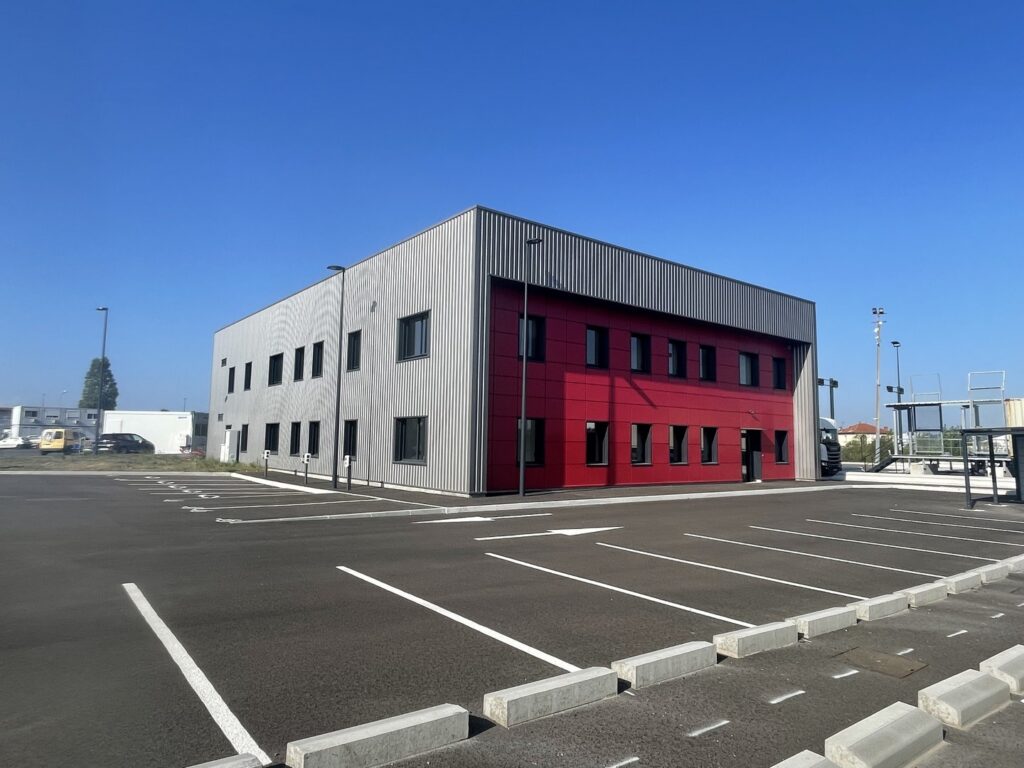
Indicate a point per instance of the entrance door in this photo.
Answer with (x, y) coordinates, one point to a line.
(750, 454)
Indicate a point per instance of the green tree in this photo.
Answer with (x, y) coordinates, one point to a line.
(91, 387)
(862, 449)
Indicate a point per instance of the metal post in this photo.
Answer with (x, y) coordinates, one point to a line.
(831, 399)
(878, 312)
(992, 469)
(967, 468)
(103, 359)
(899, 399)
(524, 350)
(337, 384)
(266, 467)
(348, 475)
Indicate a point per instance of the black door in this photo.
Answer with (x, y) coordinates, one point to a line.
(750, 454)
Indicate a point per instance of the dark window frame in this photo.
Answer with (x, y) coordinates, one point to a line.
(640, 449)
(753, 365)
(536, 342)
(272, 437)
(601, 430)
(316, 364)
(299, 364)
(639, 353)
(401, 438)
(243, 439)
(406, 337)
(350, 438)
(678, 449)
(353, 350)
(677, 358)
(295, 438)
(709, 451)
(275, 365)
(313, 439)
(780, 379)
(231, 379)
(599, 359)
(781, 446)
(708, 363)
(538, 440)
(247, 378)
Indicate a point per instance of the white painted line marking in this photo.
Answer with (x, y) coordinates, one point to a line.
(298, 504)
(603, 585)
(875, 544)
(915, 533)
(841, 675)
(553, 532)
(480, 519)
(957, 517)
(630, 761)
(783, 697)
(225, 719)
(944, 525)
(904, 652)
(997, 615)
(810, 554)
(629, 693)
(730, 570)
(705, 729)
(958, 632)
(464, 621)
(277, 484)
(1020, 605)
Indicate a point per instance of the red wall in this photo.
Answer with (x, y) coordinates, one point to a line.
(566, 394)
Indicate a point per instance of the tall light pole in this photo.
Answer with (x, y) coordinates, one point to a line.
(878, 312)
(899, 398)
(525, 350)
(337, 384)
(832, 385)
(103, 360)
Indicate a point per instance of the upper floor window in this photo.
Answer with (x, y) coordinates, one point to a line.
(299, 370)
(534, 338)
(640, 353)
(414, 336)
(275, 369)
(316, 369)
(597, 347)
(708, 364)
(231, 379)
(779, 372)
(749, 374)
(677, 358)
(247, 377)
(354, 352)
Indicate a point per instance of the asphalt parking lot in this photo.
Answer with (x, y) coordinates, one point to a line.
(305, 613)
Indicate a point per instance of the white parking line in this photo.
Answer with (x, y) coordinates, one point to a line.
(958, 517)
(222, 495)
(916, 533)
(298, 504)
(875, 543)
(628, 761)
(944, 525)
(904, 652)
(810, 554)
(464, 621)
(613, 588)
(215, 705)
(478, 519)
(841, 675)
(958, 632)
(730, 570)
(997, 615)
(705, 729)
(785, 696)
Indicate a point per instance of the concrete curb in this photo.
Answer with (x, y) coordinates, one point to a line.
(959, 583)
(523, 703)
(880, 607)
(994, 572)
(822, 622)
(666, 664)
(961, 699)
(383, 741)
(924, 594)
(895, 736)
(1008, 667)
(236, 761)
(746, 642)
(806, 759)
(1016, 563)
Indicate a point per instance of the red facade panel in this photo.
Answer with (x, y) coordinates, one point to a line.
(566, 394)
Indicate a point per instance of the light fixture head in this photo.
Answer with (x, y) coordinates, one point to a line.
(896, 344)
(335, 268)
(535, 241)
(101, 309)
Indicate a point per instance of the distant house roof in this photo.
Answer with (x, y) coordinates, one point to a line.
(861, 428)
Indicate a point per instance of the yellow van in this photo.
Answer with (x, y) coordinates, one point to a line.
(61, 439)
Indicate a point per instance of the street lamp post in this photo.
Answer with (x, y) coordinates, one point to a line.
(525, 350)
(899, 399)
(337, 384)
(832, 385)
(878, 312)
(103, 360)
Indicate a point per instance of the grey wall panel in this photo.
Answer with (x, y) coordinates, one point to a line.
(805, 413)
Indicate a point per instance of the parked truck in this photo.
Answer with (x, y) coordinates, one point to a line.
(830, 453)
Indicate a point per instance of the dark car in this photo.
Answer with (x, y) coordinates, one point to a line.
(123, 442)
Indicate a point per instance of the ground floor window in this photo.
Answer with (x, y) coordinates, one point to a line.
(243, 440)
(271, 435)
(709, 445)
(411, 440)
(781, 447)
(677, 445)
(597, 442)
(351, 441)
(295, 441)
(640, 443)
(534, 442)
(313, 440)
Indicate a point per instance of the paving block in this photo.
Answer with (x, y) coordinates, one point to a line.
(1007, 666)
(659, 666)
(1016, 563)
(747, 642)
(891, 738)
(806, 759)
(523, 703)
(829, 620)
(961, 699)
(235, 761)
(962, 582)
(925, 594)
(994, 572)
(880, 607)
(383, 741)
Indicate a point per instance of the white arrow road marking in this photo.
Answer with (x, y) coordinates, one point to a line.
(480, 519)
(554, 532)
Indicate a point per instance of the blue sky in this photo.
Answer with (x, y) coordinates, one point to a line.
(188, 162)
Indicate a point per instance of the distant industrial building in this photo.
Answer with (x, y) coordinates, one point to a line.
(855, 432)
(640, 370)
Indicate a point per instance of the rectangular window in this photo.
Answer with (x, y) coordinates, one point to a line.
(411, 440)
(709, 445)
(231, 379)
(414, 336)
(597, 442)
(677, 445)
(534, 442)
(295, 439)
(779, 372)
(299, 370)
(243, 439)
(220, 417)
(275, 369)
(534, 338)
(247, 377)
(749, 374)
(90, 416)
(640, 353)
(597, 347)
(781, 447)
(270, 437)
(354, 352)
(351, 443)
(640, 443)
(708, 365)
(33, 414)
(313, 440)
(316, 369)
(677, 358)
(223, 362)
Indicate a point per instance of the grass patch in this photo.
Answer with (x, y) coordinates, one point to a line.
(31, 461)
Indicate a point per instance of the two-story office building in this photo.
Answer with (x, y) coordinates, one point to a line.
(639, 370)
